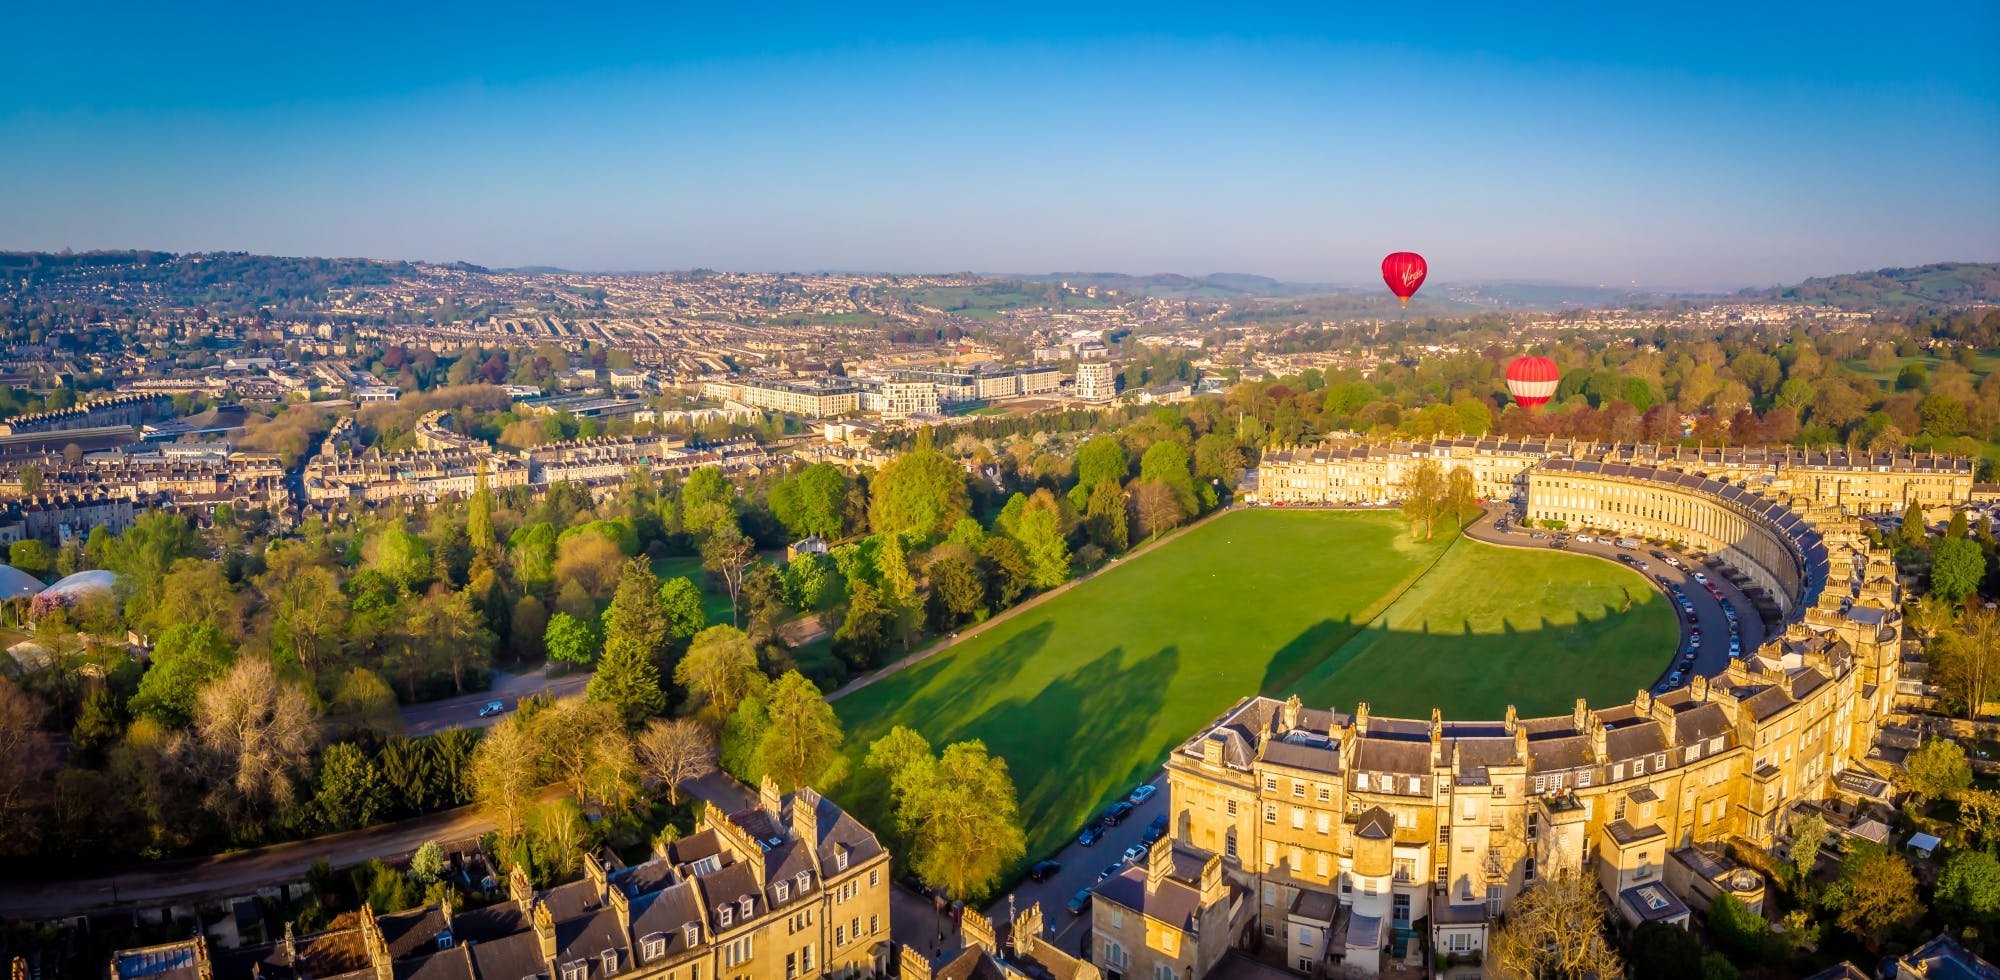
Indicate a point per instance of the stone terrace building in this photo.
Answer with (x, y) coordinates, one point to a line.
(1853, 483)
(793, 887)
(1354, 833)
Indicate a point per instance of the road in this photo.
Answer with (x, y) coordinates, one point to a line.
(463, 711)
(1080, 869)
(1713, 656)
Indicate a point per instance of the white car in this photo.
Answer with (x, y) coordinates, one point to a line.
(1585, 538)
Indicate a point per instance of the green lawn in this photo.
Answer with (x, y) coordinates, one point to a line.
(1495, 626)
(1983, 364)
(1088, 691)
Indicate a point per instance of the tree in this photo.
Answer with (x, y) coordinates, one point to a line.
(728, 554)
(1913, 531)
(1042, 541)
(675, 752)
(921, 493)
(719, 671)
(479, 516)
(806, 581)
(1101, 459)
(185, 660)
(1158, 511)
(591, 561)
(1461, 495)
(427, 864)
(1957, 565)
(957, 591)
(585, 749)
(570, 640)
(1968, 889)
(32, 556)
(506, 772)
(401, 556)
(1936, 770)
(812, 501)
(864, 632)
(803, 739)
(1423, 491)
(1957, 528)
(1105, 518)
(307, 605)
(708, 502)
(1554, 929)
(444, 627)
(680, 603)
(351, 791)
(259, 729)
(1662, 952)
(1007, 571)
(1808, 835)
(1167, 462)
(525, 629)
(363, 702)
(1879, 896)
(26, 759)
(1967, 659)
(531, 550)
(142, 555)
(958, 812)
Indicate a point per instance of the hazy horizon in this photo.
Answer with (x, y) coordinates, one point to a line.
(1694, 150)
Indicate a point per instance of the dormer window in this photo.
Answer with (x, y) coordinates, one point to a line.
(783, 890)
(610, 958)
(576, 970)
(654, 945)
(805, 881)
(840, 860)
(693, 933)
(444, 939)
(726, 914)
(748, 907)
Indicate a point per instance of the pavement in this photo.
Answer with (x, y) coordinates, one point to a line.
(463, 711)
(1713, 656)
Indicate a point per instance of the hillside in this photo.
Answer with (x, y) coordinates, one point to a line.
(1922, 289)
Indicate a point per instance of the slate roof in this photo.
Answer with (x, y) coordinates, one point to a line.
(514, 957)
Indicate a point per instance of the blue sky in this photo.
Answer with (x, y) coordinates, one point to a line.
(1702, 146)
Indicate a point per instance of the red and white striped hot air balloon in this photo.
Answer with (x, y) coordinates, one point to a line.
(1532, 381)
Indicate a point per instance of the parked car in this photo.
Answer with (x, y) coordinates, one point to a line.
(1090, 835)
(1671, 560)
(1110, 869)
(1584, 539)
(1142, 793)
(1690, 616)
(1079, 901)
(1735, 646)
(1699, 577)
(1657, 553)
(1043, 869)
(492, 708)
(1641, 565)
(1116, 813)
(1558, 544)
(1674, 679)
(1155, 830)
(1135, 853)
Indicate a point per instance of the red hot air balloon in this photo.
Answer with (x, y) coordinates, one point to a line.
(1532, 381)
(1404, 272)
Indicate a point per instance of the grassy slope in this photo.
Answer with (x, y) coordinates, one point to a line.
(1496, 626)
(1984, 364)
(1089, 690)
(715, 604)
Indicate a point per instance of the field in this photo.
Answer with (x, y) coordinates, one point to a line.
(1086, 692)
(1983, 364)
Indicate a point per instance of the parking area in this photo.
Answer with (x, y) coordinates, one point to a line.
(1082, 865)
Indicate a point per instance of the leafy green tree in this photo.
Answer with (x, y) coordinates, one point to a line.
(1106, 520)
(921, 493)
(1938, 769)
(185, 659)
(363, 702)
(864, 633)
(1662, 952)
(351, 791)
(635, 627)
(427, 864)
(1042, 542)
(570, 640)
(801, 744)
(444, 628)
(708, 502)
(506, 771)
(1808, 836)
(32, 556)
(958, 813)
(1878, 896)
(1007, 571)
(957, 591)
(680, 602)
(100, 720)
(525, 629)
(531, 551)
(1957, 528)
(308, 608)
(806, 581)
(479, 517)
(742, 737)
(1968, 889)
(401, 556)
(1424, 491)
(1957, 565)
(1913, 532)
(1741, 931)
(719, 671)
(812, 501)
(142, 555)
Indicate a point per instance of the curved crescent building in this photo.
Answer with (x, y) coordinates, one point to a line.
(1350, 839)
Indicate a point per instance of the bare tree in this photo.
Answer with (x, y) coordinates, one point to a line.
(675, 752)
(25, 761)
(1554, 930)
(506, 772)
(728, 554)
(584, 745)
(259, 729)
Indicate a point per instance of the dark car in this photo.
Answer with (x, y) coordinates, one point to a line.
(1155, 830)
(1090, 835)
(1079, 901)
(1043, 869)
(1558, 544)
(1116, 813)
(1111, 869)
(1658, 554)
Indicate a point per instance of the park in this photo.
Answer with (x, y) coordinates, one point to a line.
(1086, 692)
